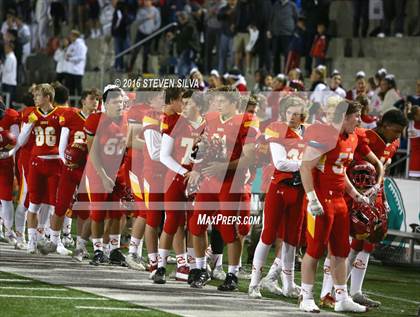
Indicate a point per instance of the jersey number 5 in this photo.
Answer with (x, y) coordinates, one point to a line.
(338, 166)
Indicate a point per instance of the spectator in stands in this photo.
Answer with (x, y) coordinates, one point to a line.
(62, 65)
(368, 121)
(212, 33)
(320, 45)
(58, 14)
(360, 87)
(75, 55)
(9, 71)
(414, 138)
(9, 23)
(360, 14)
(281, 27)
(295, 74)
(380, 74)
(414, 100)
(195, 74)
(187, 44)
(236, 80)
(119, 31)
(227, 16)
(214, 79)
(94, 10)
(372, 93)
(297, 47)
(389, 93)
(23, 37)
(242, 37)
(198, 18)
(149, 20)
(259, 77)
(167, 59)
(393, 10)
(318, 85)
(41, 29)
(260, 18)
(335, 84)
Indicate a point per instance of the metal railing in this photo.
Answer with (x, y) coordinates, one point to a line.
(134, 46)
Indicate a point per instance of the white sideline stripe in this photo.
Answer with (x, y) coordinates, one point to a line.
(52, 297)
(14, 280)
(393, 298)
(35, 288)
(111, 308)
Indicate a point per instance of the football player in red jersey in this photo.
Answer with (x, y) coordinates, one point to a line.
(383, 141)
(223, 182)
(153, 179)
(106, 140)
(181, 128)
(330, 149)
(45, 165)
(9, 120)
(282, 212)
(134, 171)
(72, 132)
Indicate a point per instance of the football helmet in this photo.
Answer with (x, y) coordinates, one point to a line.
(75, 154)
(7, 140)
(362, 174)
(367, 222)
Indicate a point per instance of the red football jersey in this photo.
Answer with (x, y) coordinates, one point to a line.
(363, 148)
(329, 174)
(279, 132)
(385, 152)
(184, 134)
(74, 120)
(111, 135)
(46, 130)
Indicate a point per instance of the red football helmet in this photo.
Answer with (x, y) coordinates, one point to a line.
(75, 154)
(362, 174)
(367, 223)
(7, 140)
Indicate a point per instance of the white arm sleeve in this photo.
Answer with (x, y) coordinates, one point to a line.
(64, 140)
(24, 135)
(153, 141)
(166, 155)
(280, 160)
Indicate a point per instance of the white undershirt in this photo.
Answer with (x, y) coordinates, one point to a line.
(166, 155)
(153, 140)
(280, 160)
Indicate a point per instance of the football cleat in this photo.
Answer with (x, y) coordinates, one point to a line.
(254, 292)
(243, 275)
(67, 240)
(348, 305)
(80, 253)
(182, 273)
(117, 258)
(160, 277)
(292, 292)
(201, 279)
(362, 299)
(328, 301)
(21, 244)
(218, 274)
(171, 260)
(99, 258)
(46, 247)
(194, 273)
(134, 262)
(10, 237)
(271, 285)
(62, 250)
(152, 270)
(308, 305)
(230, 284)
(31, 247)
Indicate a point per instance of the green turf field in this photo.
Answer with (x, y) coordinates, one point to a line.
(397, 288)
(32, 300)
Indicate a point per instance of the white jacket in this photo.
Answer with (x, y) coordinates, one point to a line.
(76, 55)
